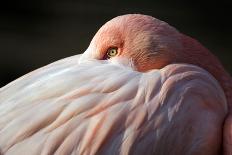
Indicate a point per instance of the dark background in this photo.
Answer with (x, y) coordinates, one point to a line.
(35, 33)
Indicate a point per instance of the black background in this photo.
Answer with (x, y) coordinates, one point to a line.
(36, 33)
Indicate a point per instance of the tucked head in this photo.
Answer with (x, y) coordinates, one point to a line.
(147, 42)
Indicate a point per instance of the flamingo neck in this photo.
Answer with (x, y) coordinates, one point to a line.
(198, 55)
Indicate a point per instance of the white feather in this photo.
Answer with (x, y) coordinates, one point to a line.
(105, 107)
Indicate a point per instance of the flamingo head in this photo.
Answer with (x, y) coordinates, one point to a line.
(141, 41)
(147, 43)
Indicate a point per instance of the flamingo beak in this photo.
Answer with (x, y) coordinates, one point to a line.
(86, 56)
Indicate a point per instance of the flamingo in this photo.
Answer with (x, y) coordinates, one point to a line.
(141, 87)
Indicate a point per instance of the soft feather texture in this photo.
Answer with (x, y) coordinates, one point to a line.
(97, 107)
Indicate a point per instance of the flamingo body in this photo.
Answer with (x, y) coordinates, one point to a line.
(89, 109)
(157, 94)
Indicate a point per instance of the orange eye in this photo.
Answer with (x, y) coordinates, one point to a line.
(111, 52)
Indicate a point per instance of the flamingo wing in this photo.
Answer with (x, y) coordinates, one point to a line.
(101, 108)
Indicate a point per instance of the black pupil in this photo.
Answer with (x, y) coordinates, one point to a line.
(112, 52)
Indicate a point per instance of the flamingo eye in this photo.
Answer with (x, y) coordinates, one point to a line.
(111, 52)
